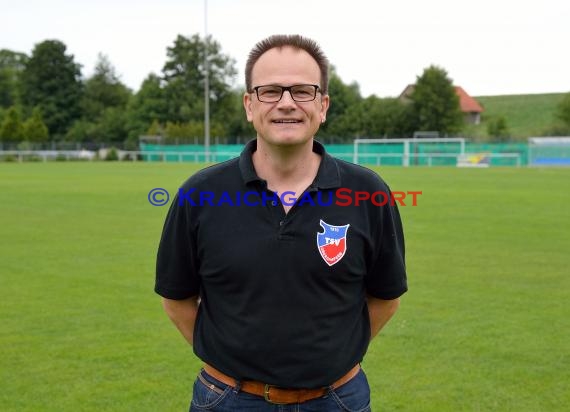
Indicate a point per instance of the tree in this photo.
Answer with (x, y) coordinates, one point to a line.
(52, 80)
(103, 90)
(82, 131)
(11, 66)
(237, 129)
(147, 106)
(190, 131)
(111, 126)
(435, 103)
(184, 75)
(563, 110)
(35, 129)
(12, 129)
(388, 118)
(104, 107)
(342, 116)
(345, 95)
(351, 116)
(497, 128)
(155, 129)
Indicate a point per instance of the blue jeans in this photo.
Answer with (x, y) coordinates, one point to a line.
(212, 395)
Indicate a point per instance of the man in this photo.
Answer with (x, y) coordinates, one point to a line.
(281, 298)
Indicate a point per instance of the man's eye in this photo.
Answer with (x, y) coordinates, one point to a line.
(270, 92)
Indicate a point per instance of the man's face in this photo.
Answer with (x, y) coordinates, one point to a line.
(286, 122)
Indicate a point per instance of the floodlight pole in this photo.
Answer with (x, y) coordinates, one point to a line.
(206, 88)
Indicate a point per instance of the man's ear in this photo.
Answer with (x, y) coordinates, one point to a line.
(247, 103)
(325, 103)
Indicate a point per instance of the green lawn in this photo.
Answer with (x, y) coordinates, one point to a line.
(526, 115)
(484, 327)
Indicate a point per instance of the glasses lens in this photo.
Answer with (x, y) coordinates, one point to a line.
(299, 93)
(303, 92)
(269, 94)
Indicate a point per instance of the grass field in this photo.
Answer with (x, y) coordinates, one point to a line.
(484, 327)
(526, 115)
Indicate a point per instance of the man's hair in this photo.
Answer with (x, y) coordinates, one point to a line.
(295, 41)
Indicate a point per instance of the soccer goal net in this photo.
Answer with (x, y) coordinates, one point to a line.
(442, 151)
(549, 151)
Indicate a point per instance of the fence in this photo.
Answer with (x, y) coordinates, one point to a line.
(377, 159)
(499, 154)
(420, 154)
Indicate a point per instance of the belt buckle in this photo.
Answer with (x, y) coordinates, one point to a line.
(266, 395)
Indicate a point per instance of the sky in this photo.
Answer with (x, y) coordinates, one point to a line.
(488, 47)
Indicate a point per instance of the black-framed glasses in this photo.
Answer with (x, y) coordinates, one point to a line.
(299, 92)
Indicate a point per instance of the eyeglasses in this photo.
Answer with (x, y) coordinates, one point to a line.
(299, 92)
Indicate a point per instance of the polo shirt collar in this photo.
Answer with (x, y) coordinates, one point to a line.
(328, 175)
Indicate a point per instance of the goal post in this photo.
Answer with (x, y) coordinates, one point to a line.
(549, 151)
(411, 151)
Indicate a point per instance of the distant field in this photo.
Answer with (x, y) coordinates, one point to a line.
(484, 327)
(526, 115)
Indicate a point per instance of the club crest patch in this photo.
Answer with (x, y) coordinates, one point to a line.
(332, 242)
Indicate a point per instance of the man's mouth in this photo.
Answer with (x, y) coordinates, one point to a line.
(286, 121)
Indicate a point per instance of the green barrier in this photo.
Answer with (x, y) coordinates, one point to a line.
(421, 154)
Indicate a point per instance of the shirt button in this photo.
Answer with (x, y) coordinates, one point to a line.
(281, 223)
(274, 203)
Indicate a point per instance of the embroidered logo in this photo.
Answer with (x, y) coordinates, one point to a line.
(332, 242)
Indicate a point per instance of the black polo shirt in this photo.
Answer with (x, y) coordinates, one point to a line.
(282, 295)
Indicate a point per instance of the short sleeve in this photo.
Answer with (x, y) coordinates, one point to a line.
(176, 264)
(387, 277)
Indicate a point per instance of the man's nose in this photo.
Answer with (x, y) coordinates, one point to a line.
(287, 98)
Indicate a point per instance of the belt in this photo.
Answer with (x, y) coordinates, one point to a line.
(278, 395)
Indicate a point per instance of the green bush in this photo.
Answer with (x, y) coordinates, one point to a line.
(33, 158)
(8, 158)
(112, 155)
(498, 129)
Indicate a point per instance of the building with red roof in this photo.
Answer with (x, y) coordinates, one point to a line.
(469, 106)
